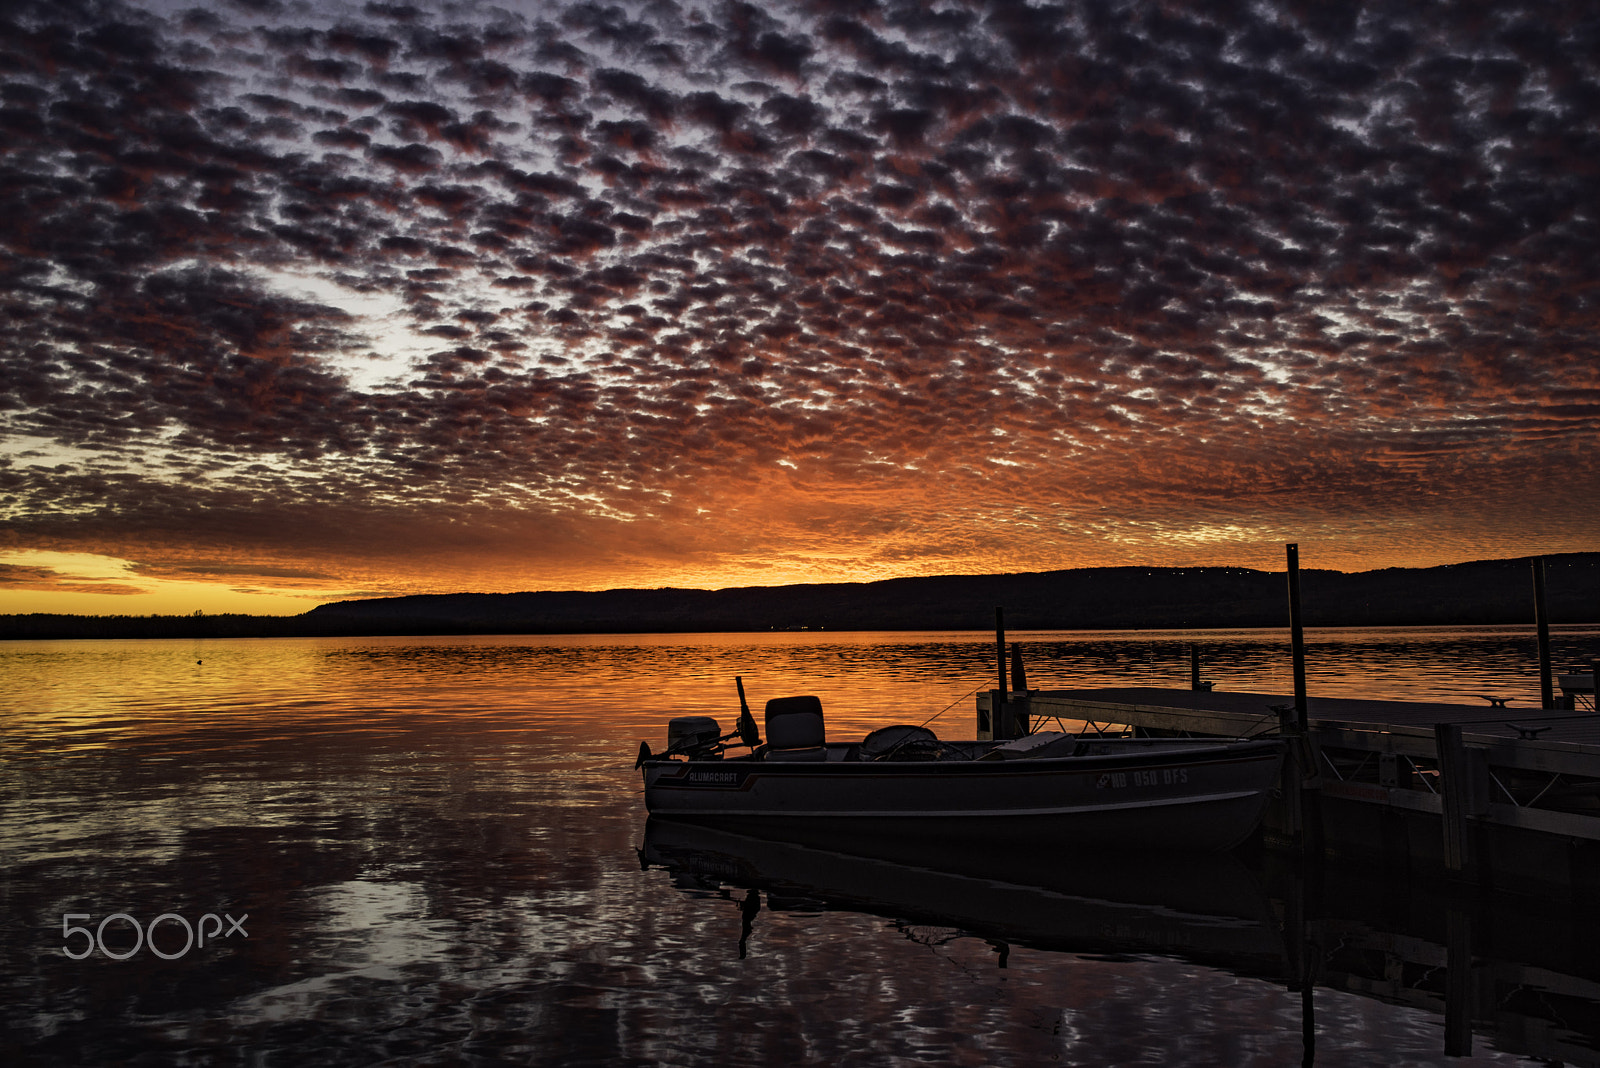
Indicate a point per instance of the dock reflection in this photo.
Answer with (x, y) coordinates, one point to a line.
(1518, 972)
(1512, 973)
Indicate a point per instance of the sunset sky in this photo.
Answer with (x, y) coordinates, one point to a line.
(314, 301)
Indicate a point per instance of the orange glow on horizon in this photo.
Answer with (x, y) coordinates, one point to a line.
(92, 584)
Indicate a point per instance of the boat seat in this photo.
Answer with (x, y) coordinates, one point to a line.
(794, 729)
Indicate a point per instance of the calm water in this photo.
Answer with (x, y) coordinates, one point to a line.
(420, 851)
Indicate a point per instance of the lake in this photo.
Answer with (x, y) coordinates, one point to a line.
(434, 851)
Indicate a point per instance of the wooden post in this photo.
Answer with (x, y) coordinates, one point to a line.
(1464, 781)
(1458, 985)
(1546, 690)
(1308, 1025)
(1002, 717)
(1021, 703)
(1194, 670)
(1293, 777)
(1297, 639)
(1000, 646)
(1302, 953)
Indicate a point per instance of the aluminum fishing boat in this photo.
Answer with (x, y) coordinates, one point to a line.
(1049, 788)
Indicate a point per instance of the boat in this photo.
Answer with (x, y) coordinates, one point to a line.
(1048, 788)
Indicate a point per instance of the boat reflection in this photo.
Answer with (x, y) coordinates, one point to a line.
(1205, 908)
(1515, 975)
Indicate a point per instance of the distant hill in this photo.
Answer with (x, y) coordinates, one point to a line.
(1488, 591)
(1482, 592)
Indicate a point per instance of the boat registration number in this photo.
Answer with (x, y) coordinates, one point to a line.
(1111, 780)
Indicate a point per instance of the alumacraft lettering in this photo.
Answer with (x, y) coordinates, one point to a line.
(716, 778)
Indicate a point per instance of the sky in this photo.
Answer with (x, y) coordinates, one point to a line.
(306, 302)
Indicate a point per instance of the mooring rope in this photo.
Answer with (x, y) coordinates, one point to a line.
(949, 706)
(1269, 723)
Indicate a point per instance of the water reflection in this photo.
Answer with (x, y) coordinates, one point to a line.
(1205, 908)
(1509, 971)
(1318, 934)
(84, 695)
(434, 841)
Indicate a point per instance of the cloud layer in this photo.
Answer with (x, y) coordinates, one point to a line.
(598, 295)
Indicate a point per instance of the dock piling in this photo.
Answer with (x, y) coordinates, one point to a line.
(1007, 719)
(1464, 781)
(1542, 621)
(1297, 638)
(1019, 703)
(1194, 669)
(1019, 673)
(1459, 986)
(1000, 646)
(1293, 778)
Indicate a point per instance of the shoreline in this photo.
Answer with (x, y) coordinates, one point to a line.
(49, 627)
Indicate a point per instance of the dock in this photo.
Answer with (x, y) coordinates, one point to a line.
(1507, 798)
(1507, 795)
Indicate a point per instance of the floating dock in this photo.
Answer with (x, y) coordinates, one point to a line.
(1505, 795)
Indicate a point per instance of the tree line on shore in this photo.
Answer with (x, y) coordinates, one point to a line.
(1480, 592)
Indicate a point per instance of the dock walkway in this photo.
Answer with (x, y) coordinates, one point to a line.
(1222, 713)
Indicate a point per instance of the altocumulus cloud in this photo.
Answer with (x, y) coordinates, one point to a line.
(588, 294)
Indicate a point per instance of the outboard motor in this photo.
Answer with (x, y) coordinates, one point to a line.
(696, 737)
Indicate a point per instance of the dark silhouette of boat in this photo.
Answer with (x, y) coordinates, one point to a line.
(1050, 789)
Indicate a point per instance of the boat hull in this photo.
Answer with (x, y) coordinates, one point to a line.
(1201, 797)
